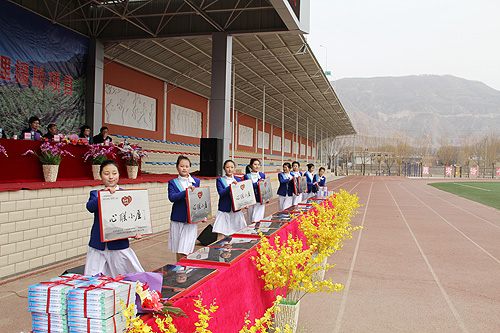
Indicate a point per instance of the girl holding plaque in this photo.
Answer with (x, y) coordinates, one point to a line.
(320, 179)
(255, 213)
(296, 173)
(114, 257)
(182, 235)
(311, 184)
(227, 221)
(285, 191)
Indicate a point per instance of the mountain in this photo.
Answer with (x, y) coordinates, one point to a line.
(442, 107)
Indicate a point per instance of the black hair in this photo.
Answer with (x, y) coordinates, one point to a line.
(83, 128)
(248, 169)
(50, 126)
(321, 169)
(106, 163)
(180, 158)
(33, 119)
(309, 166)
(288, 165)
(103, 128)
(295, 162)
(228, 161)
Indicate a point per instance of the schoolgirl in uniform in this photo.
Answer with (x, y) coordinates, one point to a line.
(182, 235)
(285, 191)
(296, 173)
(227, 221)
(311, 185)
(319, 178)
(255, 213)
(114, 257)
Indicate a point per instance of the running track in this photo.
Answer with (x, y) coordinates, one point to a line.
(425, 261)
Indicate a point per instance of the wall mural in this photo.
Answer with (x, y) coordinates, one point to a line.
(266, 140)
(127, 108)
(288, 145)
(276, 142)
(245, 136)
(184, 121)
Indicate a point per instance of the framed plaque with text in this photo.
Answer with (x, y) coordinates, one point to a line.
(198, 204)
(242, 194)
(123, 214)
(265, 190)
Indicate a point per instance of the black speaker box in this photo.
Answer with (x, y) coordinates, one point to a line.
(210, 157)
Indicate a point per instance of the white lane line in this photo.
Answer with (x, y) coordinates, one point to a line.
(451, 225)
(474, 187)
(434, 275)
(459, 207)
(351, 269)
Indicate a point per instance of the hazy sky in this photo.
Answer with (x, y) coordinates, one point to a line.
(369, 38)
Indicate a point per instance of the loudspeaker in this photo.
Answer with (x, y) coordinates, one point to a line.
(211, 157)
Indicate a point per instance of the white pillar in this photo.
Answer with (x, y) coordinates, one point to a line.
(282, 132)
(297, 136)
(263, 124)
(307, 140)
(233, 143)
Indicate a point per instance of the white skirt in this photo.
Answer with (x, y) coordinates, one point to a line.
(112, 262)
(182, 237)
(255, 213)
(284, 202)
(297, 198)
(227, 223)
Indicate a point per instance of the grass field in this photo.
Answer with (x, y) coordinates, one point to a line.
(487, 193)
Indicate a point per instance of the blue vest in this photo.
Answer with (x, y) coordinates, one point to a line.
(95, 232)
(225, 201)
(255, 187)
(177, 195)
(286, 185)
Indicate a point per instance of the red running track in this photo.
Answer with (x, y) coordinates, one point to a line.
(425, 261)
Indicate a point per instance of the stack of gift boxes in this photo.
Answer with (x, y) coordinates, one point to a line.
(77, 303)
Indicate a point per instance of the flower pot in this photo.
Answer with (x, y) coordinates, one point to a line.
(288, 314)
(95, 171)
(50, 172)
(132, 171)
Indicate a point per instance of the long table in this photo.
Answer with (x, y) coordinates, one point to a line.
(237, 290)
(18, 168)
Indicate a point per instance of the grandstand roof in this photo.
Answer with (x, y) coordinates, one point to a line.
(171, 40)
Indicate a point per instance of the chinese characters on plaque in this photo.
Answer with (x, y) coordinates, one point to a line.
(199, 205)
(242, 194)
(265, 190)
(123, 214)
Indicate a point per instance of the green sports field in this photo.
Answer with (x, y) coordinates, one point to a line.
(487, 193)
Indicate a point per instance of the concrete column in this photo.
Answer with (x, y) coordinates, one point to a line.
(220, 95)
(94, 86)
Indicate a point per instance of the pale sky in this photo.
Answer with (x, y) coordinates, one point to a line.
(372, 38)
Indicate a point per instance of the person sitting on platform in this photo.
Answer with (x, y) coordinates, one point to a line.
(52, 130)
(36, 134)
(3, 135)
(85, 133)
(102, 137)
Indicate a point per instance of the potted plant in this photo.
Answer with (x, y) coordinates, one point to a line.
(288, 269)
(50, 157)
(97, 155)
(132, 154)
